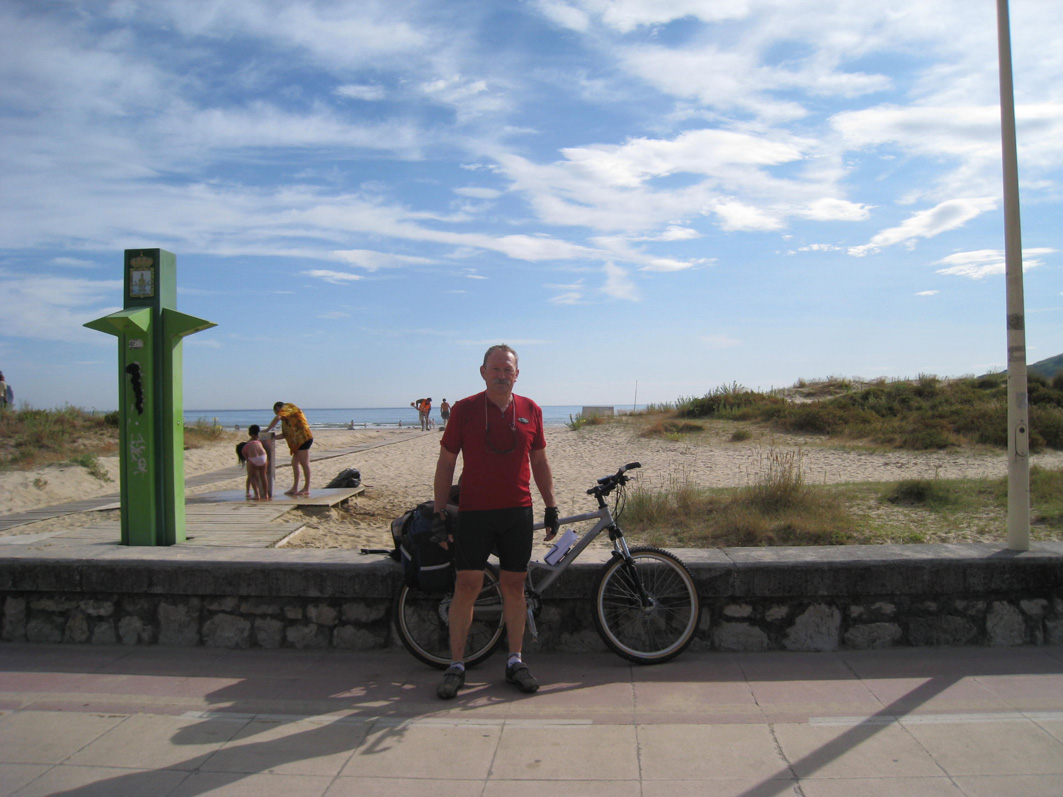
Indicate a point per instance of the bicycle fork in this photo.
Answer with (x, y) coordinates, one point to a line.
(620, 548)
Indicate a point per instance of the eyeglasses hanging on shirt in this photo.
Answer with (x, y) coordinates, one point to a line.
(500, 445)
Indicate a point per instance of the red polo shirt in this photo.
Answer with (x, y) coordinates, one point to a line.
(496, 469)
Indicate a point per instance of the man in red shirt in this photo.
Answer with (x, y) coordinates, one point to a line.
(500, 438)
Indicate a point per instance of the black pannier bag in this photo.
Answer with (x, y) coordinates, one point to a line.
(426, 564)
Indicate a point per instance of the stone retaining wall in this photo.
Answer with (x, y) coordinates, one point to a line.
(809, 599)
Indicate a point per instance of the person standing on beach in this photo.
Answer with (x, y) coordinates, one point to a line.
(444, 411)
(297, 434)
(254, 453)
(500, 437)
(425, 409)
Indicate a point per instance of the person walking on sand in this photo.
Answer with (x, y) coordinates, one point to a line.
(444, 411)
(297, 434)
(500, 437)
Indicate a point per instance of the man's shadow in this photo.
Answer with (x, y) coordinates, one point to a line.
(355, 705)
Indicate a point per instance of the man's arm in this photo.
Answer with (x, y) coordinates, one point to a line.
(544, 477)
(444, 478)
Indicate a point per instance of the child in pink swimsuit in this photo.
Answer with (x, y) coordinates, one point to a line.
(255, 454)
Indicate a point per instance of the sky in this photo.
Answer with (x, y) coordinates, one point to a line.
(647, 199)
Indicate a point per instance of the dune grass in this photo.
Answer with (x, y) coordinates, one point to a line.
(927, 413)
(31, 438)
(780, 508)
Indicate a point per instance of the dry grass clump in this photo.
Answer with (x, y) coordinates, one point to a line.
(777, 508)
(31, 438)
(671, 429)
(780, 508)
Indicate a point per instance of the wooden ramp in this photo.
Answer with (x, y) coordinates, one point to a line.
(49, 512)
(224, 519)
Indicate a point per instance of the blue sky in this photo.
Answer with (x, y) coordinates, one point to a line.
(668, 194)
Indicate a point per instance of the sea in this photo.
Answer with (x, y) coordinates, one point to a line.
(361, 418)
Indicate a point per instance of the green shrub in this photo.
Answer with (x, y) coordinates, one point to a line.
(927, 493)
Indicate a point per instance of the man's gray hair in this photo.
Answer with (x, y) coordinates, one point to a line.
(500, 347)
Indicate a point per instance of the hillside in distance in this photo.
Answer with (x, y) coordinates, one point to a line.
(1048, 368)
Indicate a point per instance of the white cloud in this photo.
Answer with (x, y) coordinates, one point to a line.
(333, 277)
(563, 14)
(819, 248)
(945, 216)
(983, 263)
(832, 209)
(674, 232)
(735, 215)
(335, 35)
(618, 284)
(373, 261)
(56, 308)
(474, 192)
(567, 294)
(704, 152)
(367, 92)
(928, 293)
(625, 16)
(671, 264)
(960, 131)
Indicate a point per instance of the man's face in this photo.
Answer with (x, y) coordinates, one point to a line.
(500, 372)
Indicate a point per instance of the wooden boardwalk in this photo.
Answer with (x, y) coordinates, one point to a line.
(221, 518)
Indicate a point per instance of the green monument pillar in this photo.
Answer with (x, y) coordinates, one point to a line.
(150, 398)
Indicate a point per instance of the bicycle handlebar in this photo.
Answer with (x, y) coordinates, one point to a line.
(606, 484)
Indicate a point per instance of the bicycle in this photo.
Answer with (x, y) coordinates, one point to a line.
(646, 606)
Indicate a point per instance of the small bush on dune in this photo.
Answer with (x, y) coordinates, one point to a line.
(671, 429)
(732, 402)
(31, 438)
(920, 492)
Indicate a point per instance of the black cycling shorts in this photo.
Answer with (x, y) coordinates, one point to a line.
(505, 532)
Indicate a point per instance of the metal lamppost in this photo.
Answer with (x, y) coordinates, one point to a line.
(1018, 402)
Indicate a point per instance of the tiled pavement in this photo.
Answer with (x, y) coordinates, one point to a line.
(82, 720)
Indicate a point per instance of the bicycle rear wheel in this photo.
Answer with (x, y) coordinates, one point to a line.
(662, 628)
(422, 622)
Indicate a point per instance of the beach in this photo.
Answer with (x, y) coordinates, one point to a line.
(397, 471)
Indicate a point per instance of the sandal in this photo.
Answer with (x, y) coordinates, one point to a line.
(453, 680)
(520, 676)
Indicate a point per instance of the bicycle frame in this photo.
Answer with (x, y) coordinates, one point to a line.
(550, 573)
(645, 600)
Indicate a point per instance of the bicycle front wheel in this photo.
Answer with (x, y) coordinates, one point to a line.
(658, 629)
(422, 620)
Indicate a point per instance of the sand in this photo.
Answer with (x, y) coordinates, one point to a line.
(397, 472)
